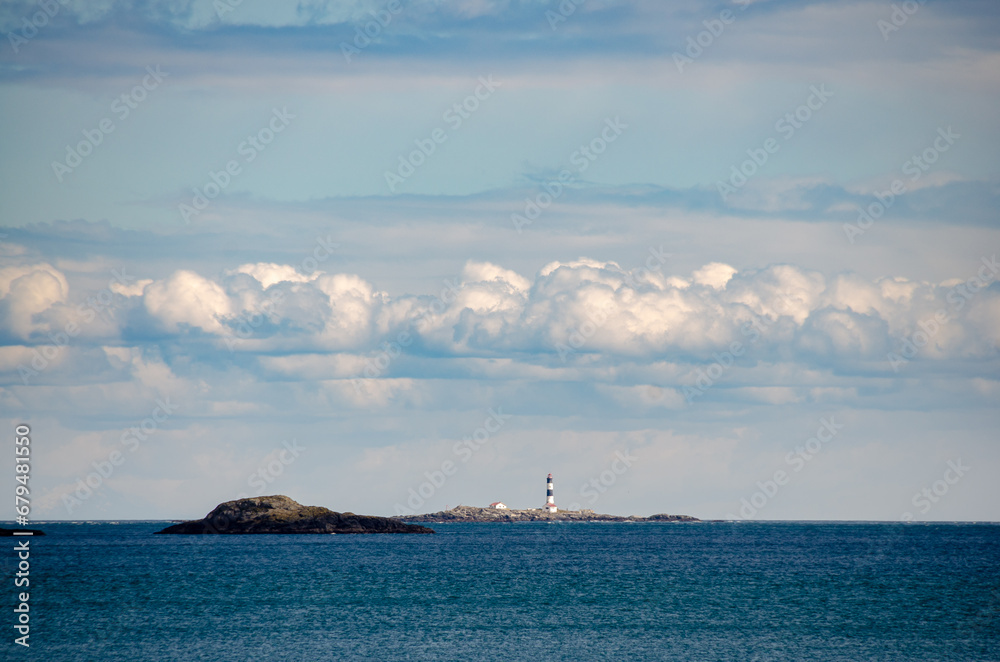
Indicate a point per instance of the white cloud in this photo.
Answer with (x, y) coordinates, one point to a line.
(477, 272)
(188, 299)
(593, 307)
(269, 273)
(714, 275)
(568, 322)
(27, 291)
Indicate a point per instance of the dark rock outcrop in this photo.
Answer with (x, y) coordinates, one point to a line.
(474, 514)
(279, 514)
(663, 517)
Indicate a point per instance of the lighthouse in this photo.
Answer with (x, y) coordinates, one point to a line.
(550, 501)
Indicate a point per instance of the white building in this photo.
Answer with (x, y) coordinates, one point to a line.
(498, 505)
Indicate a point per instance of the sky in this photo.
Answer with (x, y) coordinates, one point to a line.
(725, 259)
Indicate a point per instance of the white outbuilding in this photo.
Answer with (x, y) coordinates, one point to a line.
(498, 505)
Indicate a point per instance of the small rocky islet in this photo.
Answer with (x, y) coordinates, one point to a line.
(282, 515)
(474, 514)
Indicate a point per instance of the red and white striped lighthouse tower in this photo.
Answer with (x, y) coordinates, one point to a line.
(550, 501)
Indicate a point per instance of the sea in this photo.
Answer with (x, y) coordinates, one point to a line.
(803, 591)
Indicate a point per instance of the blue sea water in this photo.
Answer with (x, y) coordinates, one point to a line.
(527, 591)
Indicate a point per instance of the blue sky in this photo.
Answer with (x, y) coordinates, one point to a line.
(637, 230)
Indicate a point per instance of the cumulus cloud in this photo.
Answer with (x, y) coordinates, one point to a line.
(481, 272)
(572, 313)
(25, 293)
(714, 275)
(188, 300)
(269, 273)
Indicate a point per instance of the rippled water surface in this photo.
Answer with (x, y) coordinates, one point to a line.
(531, 591)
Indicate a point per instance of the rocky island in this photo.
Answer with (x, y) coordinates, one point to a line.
(474, 514)
(280, 514)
